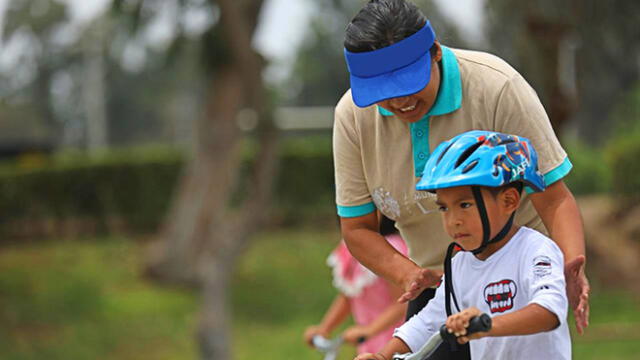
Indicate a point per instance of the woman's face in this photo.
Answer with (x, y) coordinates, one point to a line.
(413, 107)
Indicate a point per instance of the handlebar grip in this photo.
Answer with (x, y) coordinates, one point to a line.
(479, 323)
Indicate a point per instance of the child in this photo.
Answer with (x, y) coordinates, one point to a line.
(513, 273)
(370, 299)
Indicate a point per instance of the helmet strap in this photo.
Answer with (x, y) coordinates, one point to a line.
(486, 232)
(486, 228)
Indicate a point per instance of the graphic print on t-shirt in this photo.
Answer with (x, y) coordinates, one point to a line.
(499, 295)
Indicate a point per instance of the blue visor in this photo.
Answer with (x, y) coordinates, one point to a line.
(400, 69)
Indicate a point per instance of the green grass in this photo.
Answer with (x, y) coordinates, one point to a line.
(86, 300)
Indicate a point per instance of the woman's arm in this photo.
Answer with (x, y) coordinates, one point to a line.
(560, 214)
(393, 314)
(335, 315)
(374, 252)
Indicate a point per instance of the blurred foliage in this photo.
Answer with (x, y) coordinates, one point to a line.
(623, 149)
(590, 174)
(591, 62)
(623, 156)
(131, 189)
(129, 186)
(63, 300)
(611, 166)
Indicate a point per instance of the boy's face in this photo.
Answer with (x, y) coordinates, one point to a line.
(461, 218)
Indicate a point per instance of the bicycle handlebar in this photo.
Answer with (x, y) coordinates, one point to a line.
(479, 323)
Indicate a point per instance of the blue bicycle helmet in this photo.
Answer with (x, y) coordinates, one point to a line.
(483, 158)
(480, 158)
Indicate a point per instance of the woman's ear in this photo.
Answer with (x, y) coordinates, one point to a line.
(509, 199)
(438, 55)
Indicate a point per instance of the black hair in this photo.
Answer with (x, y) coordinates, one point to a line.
(381, 23)
(518, 185)
(387, 226)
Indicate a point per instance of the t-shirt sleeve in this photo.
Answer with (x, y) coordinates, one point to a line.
(417, 330)
(544, 278)
(520, 112)
(352, 194)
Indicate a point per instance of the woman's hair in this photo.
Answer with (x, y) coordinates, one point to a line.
(387, 226)
(381, 23)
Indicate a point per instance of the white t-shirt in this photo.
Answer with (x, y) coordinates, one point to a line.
(528, 269)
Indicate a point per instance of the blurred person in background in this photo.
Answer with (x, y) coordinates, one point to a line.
(370, 299)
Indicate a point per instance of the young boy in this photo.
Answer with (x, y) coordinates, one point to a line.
(513, 273)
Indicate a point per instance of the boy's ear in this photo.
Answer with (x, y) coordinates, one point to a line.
(510, 199)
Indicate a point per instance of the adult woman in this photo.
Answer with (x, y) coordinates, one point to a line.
(409, 93)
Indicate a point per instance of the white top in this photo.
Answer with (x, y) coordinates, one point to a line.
(528, 269)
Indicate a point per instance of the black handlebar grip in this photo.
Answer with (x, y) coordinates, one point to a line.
(479, 323)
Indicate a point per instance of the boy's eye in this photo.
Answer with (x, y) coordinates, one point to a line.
(465, 205)
(442, 208)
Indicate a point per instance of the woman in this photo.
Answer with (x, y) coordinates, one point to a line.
(409, 93)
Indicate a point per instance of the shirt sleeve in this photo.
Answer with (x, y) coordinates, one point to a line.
(520, 112)
(544, 278)
(352, 193)
(417, 330)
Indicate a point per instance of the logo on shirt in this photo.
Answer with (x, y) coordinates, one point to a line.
(499, 295)
(541, 266)
(386, 203)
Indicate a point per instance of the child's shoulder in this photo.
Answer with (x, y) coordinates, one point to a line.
(534, 242)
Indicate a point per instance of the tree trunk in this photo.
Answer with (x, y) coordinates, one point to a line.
(203, 237)
(214, 333)
(205, 187)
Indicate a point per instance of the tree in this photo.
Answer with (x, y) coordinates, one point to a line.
(203, 236)
(33, 25)
(576, 66)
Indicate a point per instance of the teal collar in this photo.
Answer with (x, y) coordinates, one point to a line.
(449, 96)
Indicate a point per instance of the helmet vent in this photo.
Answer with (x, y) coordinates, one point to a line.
(465, 155)
(470, 166)
(443, 152)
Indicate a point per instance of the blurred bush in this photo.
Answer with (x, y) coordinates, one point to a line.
(590, 174)
(623, 156)
(130, 190)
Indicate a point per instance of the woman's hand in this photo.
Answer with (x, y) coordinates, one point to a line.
(578, 291)
(457, 325)
(417, 281)
(355, 333)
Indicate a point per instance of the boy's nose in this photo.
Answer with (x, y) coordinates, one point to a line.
(453, 221)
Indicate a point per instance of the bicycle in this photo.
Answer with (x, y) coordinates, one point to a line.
(477, 324)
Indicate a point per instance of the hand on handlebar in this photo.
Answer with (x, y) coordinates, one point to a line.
(457, 324)
(419, 280)
(312, 331)
(356, 334)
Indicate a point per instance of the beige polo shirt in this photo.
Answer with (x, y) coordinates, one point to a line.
(379, 159)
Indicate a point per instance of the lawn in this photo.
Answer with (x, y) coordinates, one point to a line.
(85, 300)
